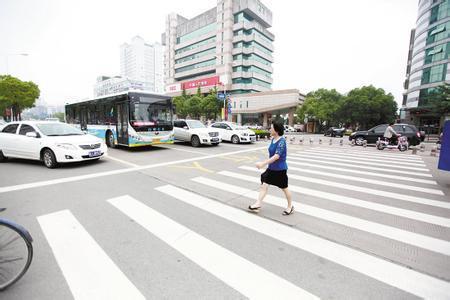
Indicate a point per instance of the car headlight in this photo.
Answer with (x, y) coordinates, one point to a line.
(353, 133)
(66, 146)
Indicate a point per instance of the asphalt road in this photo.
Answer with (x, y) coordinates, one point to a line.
(171, 222)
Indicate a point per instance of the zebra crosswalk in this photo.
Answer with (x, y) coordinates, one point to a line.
(357, 236)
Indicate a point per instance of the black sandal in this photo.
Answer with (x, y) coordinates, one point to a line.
(253, 208)
(287, 213)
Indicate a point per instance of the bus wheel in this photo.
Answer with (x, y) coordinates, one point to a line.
(110, 140)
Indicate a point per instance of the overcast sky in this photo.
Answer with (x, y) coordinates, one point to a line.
(331, 44)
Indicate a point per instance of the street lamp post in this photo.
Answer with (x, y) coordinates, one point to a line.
(12, 54)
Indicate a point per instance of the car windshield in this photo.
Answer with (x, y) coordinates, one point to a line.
(195, 124)
(58, 129)
(235, 126)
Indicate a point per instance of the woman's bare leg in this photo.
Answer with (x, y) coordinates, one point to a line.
(262, 195)
(288, 195)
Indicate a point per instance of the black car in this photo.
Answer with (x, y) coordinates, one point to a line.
(372, 135)
(334, 131)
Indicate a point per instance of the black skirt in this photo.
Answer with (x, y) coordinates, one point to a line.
(277, 178)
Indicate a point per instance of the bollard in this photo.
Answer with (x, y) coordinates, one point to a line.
(365, 144)
(422, 147)
(341, 142)
(331, 142)
(292, 140)
(414, 150)
(301, 140)
(320, 141)
(265, 138)
(433, 151)
(311, 141)
(257, 137)
(352, 143)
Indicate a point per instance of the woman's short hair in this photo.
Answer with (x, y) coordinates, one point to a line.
(278, 127)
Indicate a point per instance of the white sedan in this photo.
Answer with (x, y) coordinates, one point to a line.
(50, 142)
(234, 133)
(195, 132)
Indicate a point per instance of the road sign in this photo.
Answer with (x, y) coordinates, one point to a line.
(221, 96)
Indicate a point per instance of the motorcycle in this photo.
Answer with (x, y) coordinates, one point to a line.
(402, 144)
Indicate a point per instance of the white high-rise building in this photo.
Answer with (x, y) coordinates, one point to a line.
(143, 62)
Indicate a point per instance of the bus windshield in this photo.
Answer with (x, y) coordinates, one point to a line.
(149, 114)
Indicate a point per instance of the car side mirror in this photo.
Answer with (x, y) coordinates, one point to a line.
(185, 127)
(32, 134)
(228, 128)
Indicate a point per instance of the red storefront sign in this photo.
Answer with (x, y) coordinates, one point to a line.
(210, 81)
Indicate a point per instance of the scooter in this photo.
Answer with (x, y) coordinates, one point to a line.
(402, 144)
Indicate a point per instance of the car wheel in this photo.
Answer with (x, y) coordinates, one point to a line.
(235, 139)
(49, 159)
(110, 140)
(402, 148)
(359, 141)
(195, 141)
(2, 157)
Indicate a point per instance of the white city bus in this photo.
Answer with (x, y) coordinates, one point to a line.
(131, 118)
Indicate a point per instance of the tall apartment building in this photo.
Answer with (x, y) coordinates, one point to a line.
(427, 62)
(228, 46)
(142, 62)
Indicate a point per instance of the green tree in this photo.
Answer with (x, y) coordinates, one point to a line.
(367, 106)
(321, 105)
(17, 95)
(194, 106)
(181, 105)
(439, 102)
(59, 115)
(210, 105)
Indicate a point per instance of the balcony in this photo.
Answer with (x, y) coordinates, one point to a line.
(250, 62)
(251, 50)
(252, 75)
(246, 25)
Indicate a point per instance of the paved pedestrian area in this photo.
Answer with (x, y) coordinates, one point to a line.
(171, 222)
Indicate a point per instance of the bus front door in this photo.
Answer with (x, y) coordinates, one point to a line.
(122, 123)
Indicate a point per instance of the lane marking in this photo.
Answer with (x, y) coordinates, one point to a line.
(374, 153)
(415, 239)
(242, 275)
(25, 186)
(183, 150)
(365, 156)
(122, 161)
(383, 170)
(88, 270)
(357, 158)
(359, 162)
(395, 196)
(410, 214)
(372, 181)
(396, 177)
(195, 166)
(362, 161)
(384, 271)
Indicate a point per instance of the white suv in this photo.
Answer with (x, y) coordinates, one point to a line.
(234, 133)
(195, 132)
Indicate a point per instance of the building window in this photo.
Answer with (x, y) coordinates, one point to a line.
(196, 66)
(434, 74)
(196, 33)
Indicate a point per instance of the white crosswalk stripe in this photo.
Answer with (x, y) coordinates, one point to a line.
(232, 269)
(348, 170)
(373, 154)
(370, 151)
(364, 158)
(381, 169)
(372, 181)
(397, 276)
(380, 193)
(95, 276)
(353, 161)
(411, 238)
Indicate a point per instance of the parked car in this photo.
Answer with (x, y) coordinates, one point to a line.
(299, 127)
(288, 128)
(334, 131)
(234, 133)
(50, 142)
(195, 132)
(372, 135)
(2, 124)
(253, 126)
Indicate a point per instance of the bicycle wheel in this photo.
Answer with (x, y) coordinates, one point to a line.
(16, 253)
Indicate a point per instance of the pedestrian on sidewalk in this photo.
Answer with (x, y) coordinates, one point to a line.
(276, 172)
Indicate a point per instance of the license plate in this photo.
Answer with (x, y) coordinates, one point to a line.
(215, 140)
(253, 138)
(95, 153)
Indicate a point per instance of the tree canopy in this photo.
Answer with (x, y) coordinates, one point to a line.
(16, 95)
(197, 105)
(439, 102)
